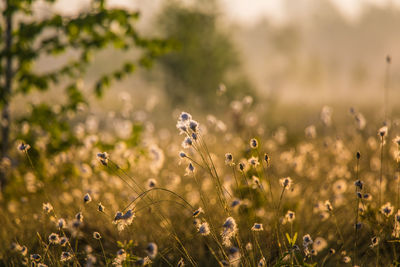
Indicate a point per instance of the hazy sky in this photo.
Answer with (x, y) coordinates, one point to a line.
(244, 11)
(253, 10)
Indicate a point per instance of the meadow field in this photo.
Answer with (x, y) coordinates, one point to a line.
(230, 191)
(275, 145)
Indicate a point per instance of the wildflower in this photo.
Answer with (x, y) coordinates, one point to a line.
(307, 240)
(96, 235)
(267, 159)
(285, 182)
(290, 216)
(152, 250)
(360, 121)
(185, 117)
(197, 212)
(87, 198)
(143, 261)
(247, 100)
(187, 142)
(382, 132)
(367, 197)
(262, 262)
(100, 207)
(339, 187)
(374, 241)
(253, 143)
(257, 227)
(182, 154)
(123, 220)
(182, 127)
(235, 203)
(359, 184)
(54, 239)
(326, 115)
(229, 159)
(79, 217)
(253, 161)
(194, 136)
(310, 132)
(121, 256)
(204, 229)
(66, 256)
(63, 241)
(256, 181)
(194, 125)
(23, 147)
(151, 183)
(61, 223)
(229, 230)
(35, 257)
(387, 209)
(196, 222)
(241, 166)
(249, 246)
(190, 169)
(319, 244)
(47, 207)
(332, 251)
(346, 259)
(328, 205)
(234, 256)
(103, 157)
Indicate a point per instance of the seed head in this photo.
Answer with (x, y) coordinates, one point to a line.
(285, 182)
(23, 147)
(387, 209)
(100, 207)
(382, 132)
(103, 157)
(204, 229)
(257, 227)
(87, 198)
(197, 212)
(54, 239)
(229, 159)
(66, 256)
(152, 250)
(96, 235)
(253, 143)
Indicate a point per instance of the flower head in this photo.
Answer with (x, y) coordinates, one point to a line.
(152, 250)
(96, 235)
(387, 209)
(307, 240)
(382, 132)
(87, 198)
(253, 143)
(103, 157)
(204, 229)
(257, 227)
(229, 159)
(285, 182)
(54, 239)
(23, 147)
(253, 161)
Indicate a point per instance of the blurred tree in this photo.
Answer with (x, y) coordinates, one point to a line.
(25, 38)
(205, 56)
